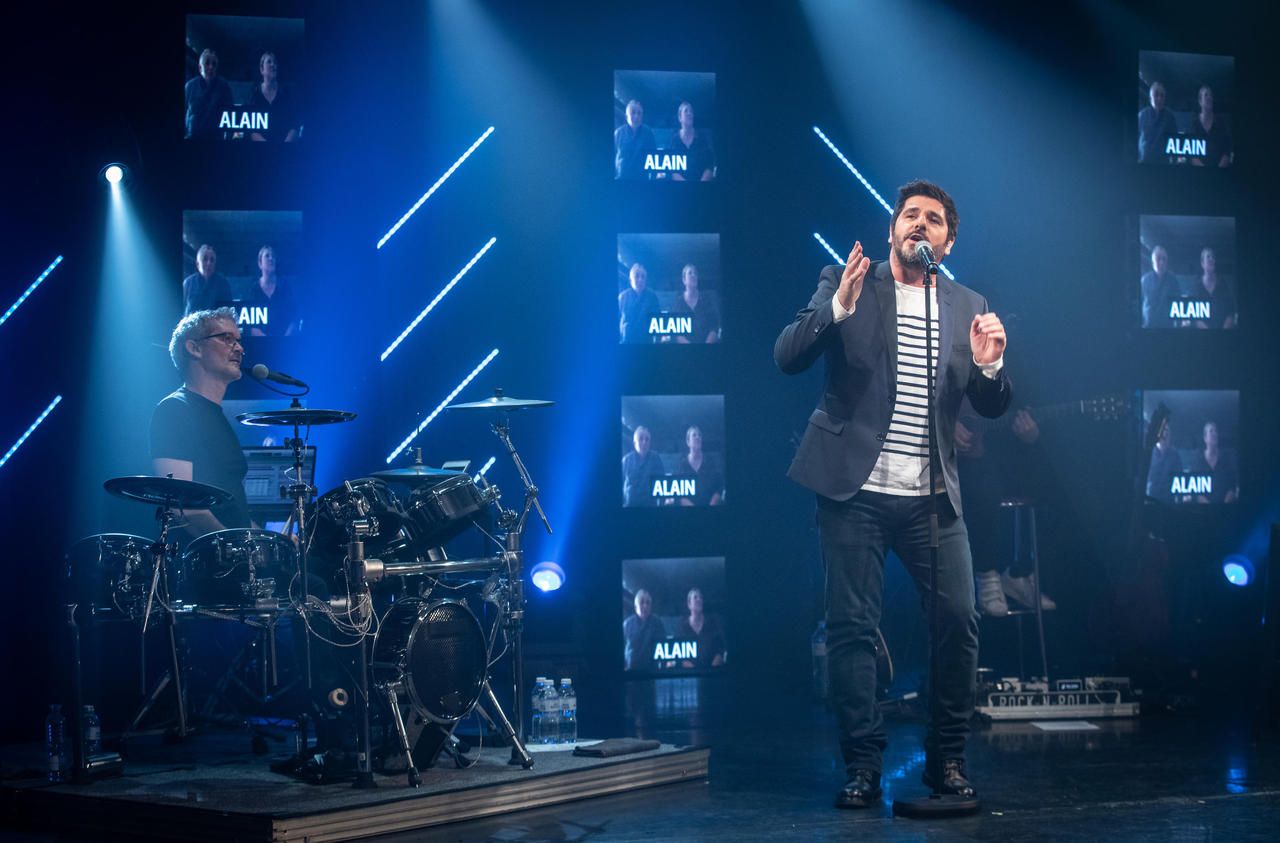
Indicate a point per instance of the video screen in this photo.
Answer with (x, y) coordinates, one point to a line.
(669, 288)
(673, 450)
(1194, 439)
(247, 260)
(1188, 275)
(243, 78)
(673, 615)
(664, 125)
(1185, 101)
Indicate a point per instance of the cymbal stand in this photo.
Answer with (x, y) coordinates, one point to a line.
(301, 491)
(356, 530)
(160, 552)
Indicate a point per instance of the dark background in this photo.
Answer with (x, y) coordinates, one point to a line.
(1025, 113)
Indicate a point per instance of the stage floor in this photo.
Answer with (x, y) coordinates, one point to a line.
(1197, 775)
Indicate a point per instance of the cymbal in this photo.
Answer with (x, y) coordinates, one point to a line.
(415, 474)
(294, 416)
(498, 401)
(167, 491)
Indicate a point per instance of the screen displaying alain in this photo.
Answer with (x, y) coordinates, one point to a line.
(243, 78)
(247, 260)
(673, 450)
(1187, 272)
(669, 288)
(664, 125)
(1185, 102)
(673, 614)
(1195, 455)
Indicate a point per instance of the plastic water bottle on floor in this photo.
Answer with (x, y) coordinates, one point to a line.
(92, 724)
(551, 714)
(568, 712)
(55, 739)
(536, 708)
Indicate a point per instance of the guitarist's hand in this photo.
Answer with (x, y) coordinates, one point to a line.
(968, 442)
(1025, 427)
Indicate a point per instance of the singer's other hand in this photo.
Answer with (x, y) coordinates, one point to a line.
(986, 337)
(855, 270)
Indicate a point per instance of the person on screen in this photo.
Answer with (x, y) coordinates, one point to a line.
(1156, 124)
(1214, 131)
(282, 311)
(706, 318)
(705, 468)
(1159, 290)
(703, 629)
(636, 306)
(640, 466)
(205, 289)
(642, 632)
(1166, 463)
(207, 95)
(1220, 464)
(1217, 291)
(696, 145)
(268, 98)
(632, 141)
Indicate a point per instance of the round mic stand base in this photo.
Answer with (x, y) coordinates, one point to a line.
(936, 806)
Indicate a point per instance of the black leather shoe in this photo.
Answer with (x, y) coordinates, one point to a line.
(861, 791)
(954, 782)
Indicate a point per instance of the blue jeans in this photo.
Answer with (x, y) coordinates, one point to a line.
(856, 536)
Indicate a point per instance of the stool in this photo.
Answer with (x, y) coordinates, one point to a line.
(1025, 540)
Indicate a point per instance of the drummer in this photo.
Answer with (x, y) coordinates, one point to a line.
(191, 439)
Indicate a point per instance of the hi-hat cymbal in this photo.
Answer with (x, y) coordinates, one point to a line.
(294, 416)
(415, 474)
(498, 401)
(167, 491)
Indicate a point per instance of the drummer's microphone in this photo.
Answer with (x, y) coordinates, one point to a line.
(262, 373)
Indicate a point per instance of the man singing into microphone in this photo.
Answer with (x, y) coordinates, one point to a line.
(190, 437)
(865, 453)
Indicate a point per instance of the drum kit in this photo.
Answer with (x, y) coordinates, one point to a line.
(357, 568)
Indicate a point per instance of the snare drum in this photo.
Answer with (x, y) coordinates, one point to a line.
(237, 568)
(444, 511)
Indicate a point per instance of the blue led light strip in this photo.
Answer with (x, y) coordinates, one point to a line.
(831, 146)
(435, 187)
(440, 407)
(30, 430)
(439, 296)
(827, 246)
(482, 472)
(31, 289)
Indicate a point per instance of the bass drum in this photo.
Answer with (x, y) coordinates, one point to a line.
(435, 654)
(238, 568)
(440, 513)
(111, 571)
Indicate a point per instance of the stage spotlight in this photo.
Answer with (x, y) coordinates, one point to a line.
(547, 576)
(114, 174)
(1238, 570)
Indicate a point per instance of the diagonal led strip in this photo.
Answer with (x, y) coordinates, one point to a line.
(30, 430)
(827, 246)
(434, 187)
(31, 289)
(485, 470)
(868, 186)
(439, 296)
(440, 407)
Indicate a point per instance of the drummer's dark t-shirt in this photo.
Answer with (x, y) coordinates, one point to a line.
(188, 426)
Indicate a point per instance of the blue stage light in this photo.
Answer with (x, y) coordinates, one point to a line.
(114, 174)
(30, 430)
(830, 251)
(868, 186)
(482, 472)
(440, 407)
(547, 576)
(31, 289)
(434, 187)
(1238, 570)
(440, 295)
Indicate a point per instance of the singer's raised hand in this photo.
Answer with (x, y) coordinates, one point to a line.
(855, 270)
(986, 337)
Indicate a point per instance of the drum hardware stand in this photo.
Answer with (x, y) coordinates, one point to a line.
(301, 492)
(392, 689)
(355, 570)
(84, 768)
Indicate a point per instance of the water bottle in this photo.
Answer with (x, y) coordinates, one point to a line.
(55, 737)
(568, 712)
(535, 710)
(92, 725)
(818, 647)
(551, 713)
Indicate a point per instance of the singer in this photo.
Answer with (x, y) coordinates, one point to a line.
(190, 437)
(865, 452)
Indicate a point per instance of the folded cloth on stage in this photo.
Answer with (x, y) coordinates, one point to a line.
(616, 746)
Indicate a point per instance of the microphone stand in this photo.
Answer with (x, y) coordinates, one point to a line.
(937, 804)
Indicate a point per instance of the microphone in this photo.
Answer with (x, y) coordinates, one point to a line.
(924, 253)
(262, 373)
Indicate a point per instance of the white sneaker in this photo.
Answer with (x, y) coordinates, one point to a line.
(991, 594)
(1023, 592)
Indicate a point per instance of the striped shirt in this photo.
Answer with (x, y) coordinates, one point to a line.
(903, 465)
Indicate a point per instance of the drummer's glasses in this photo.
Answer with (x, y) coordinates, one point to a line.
(227, 338)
